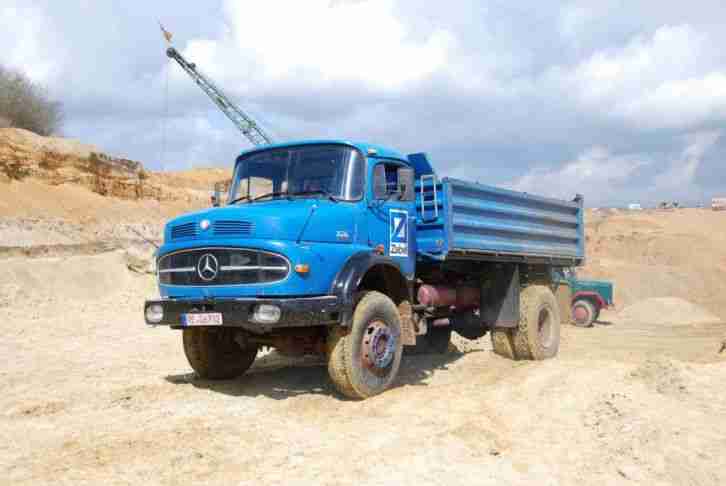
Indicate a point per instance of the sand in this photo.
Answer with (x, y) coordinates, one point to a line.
(666, 311)
(93, 396)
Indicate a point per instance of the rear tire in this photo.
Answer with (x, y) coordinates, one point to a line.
(214, 354)
(584, 313)
(537, 336)
(365, 361)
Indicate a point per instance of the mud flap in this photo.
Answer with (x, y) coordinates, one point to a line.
(408, 329)
(500, 300)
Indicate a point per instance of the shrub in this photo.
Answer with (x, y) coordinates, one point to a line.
(25, 104)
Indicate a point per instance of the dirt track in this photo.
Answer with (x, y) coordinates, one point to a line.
(91, 395)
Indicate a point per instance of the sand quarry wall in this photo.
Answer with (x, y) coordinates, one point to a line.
(56, 161)
(660, 254)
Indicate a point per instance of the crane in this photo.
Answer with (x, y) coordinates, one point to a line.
(245, 123)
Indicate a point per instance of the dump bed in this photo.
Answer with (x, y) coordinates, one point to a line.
(462, 220)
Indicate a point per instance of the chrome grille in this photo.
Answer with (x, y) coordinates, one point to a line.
(233, 266)
(185, 230)
(232, 228)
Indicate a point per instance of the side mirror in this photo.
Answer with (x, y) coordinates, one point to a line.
(406, 184)
(216, 196)
(379, 182)
(219, 188)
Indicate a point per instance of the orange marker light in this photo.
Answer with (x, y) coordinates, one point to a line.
(302, 268)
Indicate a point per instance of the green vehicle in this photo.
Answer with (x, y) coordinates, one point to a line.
(589, 297)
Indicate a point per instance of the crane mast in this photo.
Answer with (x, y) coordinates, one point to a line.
(249, 128)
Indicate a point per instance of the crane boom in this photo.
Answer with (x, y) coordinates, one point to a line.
(241, 120)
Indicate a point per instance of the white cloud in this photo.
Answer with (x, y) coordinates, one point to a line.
(322, 40)
(595, 173)
(680, 175)
(673, 78)
(22, 37)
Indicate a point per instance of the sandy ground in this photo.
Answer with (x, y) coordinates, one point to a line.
(93, 396)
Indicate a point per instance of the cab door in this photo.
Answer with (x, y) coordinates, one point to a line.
(392, 214)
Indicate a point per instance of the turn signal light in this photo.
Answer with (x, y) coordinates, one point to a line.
(302, 268)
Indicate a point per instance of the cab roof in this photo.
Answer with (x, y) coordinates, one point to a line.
(367, 148)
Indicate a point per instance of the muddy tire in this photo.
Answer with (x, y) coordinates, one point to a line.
(365, 362)
(537, 336)
(336, 344)
(502, 343)
(584, 313)
(214, 354)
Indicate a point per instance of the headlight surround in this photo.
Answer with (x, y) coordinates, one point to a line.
(266, 314)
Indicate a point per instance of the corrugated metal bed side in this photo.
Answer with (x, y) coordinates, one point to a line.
(457, 219)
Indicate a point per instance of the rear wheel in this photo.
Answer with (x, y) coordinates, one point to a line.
(584, 313)
(214, 354)
(538, 334)
(502, 342)
(365, 361)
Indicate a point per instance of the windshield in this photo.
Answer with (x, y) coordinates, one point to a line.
(304, 171)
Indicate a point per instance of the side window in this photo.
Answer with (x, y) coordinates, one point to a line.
(393, 180)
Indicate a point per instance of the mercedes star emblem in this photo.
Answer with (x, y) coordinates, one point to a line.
(208, 267)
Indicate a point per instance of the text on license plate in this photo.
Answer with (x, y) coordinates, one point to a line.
(202, 319)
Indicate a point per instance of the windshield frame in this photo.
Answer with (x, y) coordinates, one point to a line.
(361, 159)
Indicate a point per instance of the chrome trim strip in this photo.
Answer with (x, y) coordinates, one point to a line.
(233, 268)
(178, 270)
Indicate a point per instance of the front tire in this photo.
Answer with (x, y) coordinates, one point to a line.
(214, 354)
(365, 361)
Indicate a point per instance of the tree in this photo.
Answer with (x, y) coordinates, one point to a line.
(25, 104)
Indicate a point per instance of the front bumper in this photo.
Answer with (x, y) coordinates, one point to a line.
(295, 312)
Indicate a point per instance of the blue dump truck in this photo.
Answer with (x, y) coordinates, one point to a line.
(354, 251)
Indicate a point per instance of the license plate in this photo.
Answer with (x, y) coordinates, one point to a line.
(202, 319)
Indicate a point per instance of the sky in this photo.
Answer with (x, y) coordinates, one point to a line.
(620, 101)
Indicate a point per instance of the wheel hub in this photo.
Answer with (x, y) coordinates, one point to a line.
(580, 314)
(379, 346)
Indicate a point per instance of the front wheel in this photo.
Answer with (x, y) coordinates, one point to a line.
(214, 354)
(365, 361)
(584, 313)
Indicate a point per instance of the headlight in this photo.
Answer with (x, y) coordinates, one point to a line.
(266, 314)
(154, 313)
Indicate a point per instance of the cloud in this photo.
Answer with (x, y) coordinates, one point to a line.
(320, 40)
(597, 173)
(576, 93)
(672, 78)
(24, 29)
(679, 177)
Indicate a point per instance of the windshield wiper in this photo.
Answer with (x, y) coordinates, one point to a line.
(241, 198)
(324, 192)
(271, 194)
